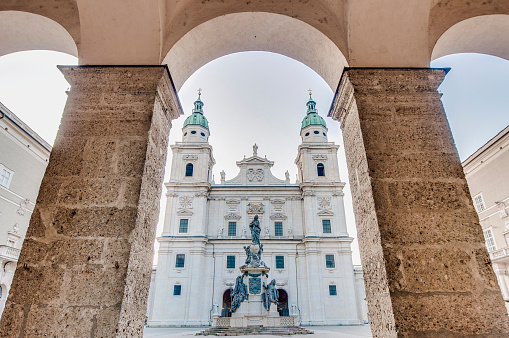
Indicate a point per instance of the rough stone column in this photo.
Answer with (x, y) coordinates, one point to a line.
(426, 268)
(84, 270)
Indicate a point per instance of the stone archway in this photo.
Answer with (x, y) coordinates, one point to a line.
(282, 306)
(226, 309)
(487, 34)
(411, 199)
(27, 31)
(241, 32)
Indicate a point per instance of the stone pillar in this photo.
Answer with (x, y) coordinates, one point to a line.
(426, 269)
(85, 266)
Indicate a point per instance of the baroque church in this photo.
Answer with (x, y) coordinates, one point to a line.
(304, 232)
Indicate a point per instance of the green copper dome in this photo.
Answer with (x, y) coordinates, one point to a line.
(197, 118)
(312, 117)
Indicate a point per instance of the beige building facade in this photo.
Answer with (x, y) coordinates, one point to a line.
(24, 156)
(487, 173)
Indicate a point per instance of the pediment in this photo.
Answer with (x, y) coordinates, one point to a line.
(232, 215)
(255, 160)
(325, 213)
(184, 212)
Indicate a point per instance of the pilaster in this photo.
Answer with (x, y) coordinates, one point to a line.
(426, 268)
(85, 266)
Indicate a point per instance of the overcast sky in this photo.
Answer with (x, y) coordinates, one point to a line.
(260, 97)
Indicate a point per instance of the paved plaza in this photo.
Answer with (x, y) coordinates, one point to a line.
(319, 332)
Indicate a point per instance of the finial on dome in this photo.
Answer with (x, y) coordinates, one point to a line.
(198, 104)
(311, 104)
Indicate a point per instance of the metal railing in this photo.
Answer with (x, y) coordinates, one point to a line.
(8, 252)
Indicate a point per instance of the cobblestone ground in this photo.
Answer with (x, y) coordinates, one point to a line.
(319, 332)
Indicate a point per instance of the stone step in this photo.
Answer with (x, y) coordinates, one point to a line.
(255, 330)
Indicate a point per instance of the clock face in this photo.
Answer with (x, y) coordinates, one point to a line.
(324, 203)
(186, 202)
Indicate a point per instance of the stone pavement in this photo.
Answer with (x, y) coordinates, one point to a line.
(319, 332)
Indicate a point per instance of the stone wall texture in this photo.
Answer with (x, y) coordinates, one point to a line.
(426, 268)
(85, 266)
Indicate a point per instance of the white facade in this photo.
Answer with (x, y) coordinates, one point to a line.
(304, 235)
(487, 174)
(23, 159)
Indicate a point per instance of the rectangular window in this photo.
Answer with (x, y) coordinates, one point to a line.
(5, 177)
(479, 203)
(230, 262)
(490, 241)
(278, 229)
(332, 290)
(177, 290)
(329, 261)
(232, 228)
(280, 262)
(183, 225)
(326, 226)
(179, 263)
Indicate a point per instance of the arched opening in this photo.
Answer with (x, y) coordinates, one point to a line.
(257, 31)
(486, 34)
(282, 305)
(226, 310)
(22, 31)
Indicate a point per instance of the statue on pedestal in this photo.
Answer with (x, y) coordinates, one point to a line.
(255, 228)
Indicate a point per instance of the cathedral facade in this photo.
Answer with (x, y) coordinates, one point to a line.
(304, 234)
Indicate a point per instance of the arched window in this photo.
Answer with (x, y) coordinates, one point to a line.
(189, 169)
(321, 169)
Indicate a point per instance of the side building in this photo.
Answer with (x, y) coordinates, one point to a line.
(487, 173)
(304, 233)
(23, 159)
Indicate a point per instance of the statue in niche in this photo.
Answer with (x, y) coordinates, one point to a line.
(239, 294)
(255, 228)
(270, 295)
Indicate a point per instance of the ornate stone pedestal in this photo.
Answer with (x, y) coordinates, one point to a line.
(252, 311)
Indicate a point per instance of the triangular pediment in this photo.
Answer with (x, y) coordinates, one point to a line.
(325, 213)
(184, 212)
(255, 160)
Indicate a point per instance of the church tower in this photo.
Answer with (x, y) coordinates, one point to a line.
(318, 171)
(191, 177)
(324, 222)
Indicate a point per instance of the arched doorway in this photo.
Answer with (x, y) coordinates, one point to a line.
(226, 310)
(282, 305)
